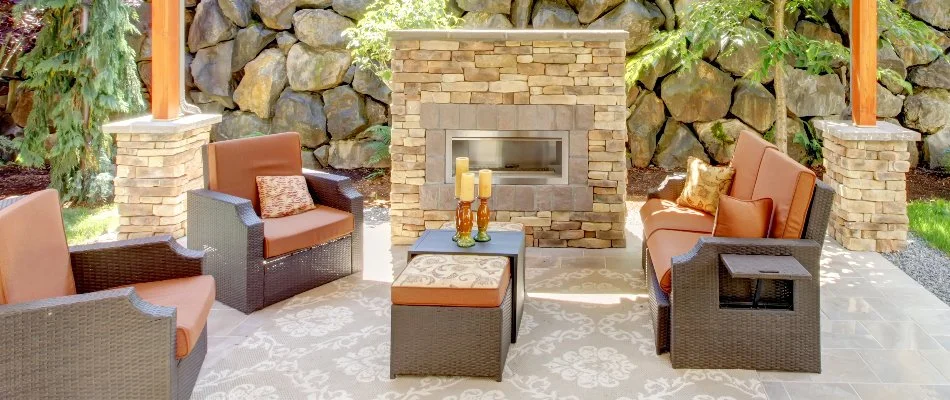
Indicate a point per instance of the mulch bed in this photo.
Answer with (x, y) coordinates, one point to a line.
(925, 184)
(17, 181)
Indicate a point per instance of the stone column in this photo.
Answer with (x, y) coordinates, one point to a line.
(867, 167)
(157, 163)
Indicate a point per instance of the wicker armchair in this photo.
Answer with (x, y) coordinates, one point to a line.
(99, 329)
(224, 219)
(705, 317)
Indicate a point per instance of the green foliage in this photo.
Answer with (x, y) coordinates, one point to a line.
(811, 141)
(931, 220)
(79, 80)
(6, 146)
(369, 39)
(84, 225)
(815, 56)
(719, 134)
(382, 137)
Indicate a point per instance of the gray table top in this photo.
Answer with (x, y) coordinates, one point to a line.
(440, 241)
(764, 267)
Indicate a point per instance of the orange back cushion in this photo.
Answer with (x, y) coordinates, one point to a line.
(790, 186)
(234, 165)
(34, 257)
(746, 159)
(739, 218)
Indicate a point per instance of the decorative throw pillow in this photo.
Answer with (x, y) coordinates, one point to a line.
(704, 184)
(283, 195)
(739, 218)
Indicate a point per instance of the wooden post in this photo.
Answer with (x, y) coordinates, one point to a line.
(166, 59)
(864, 62)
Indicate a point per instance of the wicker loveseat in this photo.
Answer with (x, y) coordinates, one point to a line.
(121, 320)
(694, 297)
(257, 262)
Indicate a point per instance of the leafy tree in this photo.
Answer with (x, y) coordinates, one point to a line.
(369, 39)
(81, 71)
(17, 33)
(710, 23)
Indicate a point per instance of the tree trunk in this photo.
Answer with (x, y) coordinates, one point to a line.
(781, 112)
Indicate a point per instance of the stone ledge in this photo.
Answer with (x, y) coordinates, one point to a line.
(514, 34)
(883, 132)
(148, 125)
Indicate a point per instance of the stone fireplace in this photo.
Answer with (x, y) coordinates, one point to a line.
(543, 109)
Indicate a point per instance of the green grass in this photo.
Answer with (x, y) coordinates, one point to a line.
(930, 219)
(84, 225)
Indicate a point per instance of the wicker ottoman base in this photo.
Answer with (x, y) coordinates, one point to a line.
(450, 341)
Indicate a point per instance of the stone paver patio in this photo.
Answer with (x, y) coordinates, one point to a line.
(586, 335)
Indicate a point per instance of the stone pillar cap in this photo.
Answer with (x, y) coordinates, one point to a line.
(882, 132)
(511, 34)
(147, 124)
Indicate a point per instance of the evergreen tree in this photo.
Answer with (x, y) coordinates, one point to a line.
(81, 71)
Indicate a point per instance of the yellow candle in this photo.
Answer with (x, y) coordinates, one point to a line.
(461, 167)
(484, 183)
(467, 187)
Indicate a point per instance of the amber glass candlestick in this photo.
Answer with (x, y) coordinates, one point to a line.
(484, 214)
(458, 221)
(465, 225)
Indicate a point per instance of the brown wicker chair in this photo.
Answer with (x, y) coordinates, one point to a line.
(121, 320)
(224, 219)
(703, 317)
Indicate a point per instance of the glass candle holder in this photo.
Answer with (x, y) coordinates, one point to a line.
(458, 220)
(465, 225)
(484, 215)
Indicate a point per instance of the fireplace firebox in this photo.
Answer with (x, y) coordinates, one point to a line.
(515, 157)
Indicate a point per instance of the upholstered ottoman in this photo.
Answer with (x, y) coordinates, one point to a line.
(451, 315)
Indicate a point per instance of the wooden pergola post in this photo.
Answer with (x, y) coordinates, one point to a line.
(166, 59)
(864, 62)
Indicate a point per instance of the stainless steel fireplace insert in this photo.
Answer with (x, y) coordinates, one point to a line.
(515, 157)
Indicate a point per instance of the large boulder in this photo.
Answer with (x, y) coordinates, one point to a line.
(741, 58)
(700, 93)
(520, 12)
(720, 137)
(211, 70)
(815, 31)
(301, 112)
(676, 146)
(206, 103)
(315, 70)
(928, 110)
(589, 10)
(914, 53)
(888, 59)
(239, 124)
(814, 95)
(889, 105)
(376, 112)
(354, 9)
(238, 11)
(248, 43)
(937, 149)
(660, 68)
(646, 119)
(24, 106)
(639, 19)
(935, 12)
(754, 105)
(351, 154)
(322, 154)
(935, 75)
(368, 83)
(276, 14)
(285, 40)
(480, 20)
(486, 6)
(308, 160)
(554, 14)
(264, 79)
(321, 29)
(209, 27)
(346, 112)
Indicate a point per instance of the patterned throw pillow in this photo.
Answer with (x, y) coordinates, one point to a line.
(283, 195)
(704, 184)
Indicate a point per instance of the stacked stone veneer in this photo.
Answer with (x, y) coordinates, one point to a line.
(568, 81)
(157, 163)
(867, 168)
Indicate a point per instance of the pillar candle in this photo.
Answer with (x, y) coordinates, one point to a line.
(461, 167)
(467, 187)
(484, 183)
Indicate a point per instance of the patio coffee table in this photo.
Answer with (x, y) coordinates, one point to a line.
(507, 244)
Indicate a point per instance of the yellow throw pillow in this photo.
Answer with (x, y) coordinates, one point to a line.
(282, 196)
(704, 184)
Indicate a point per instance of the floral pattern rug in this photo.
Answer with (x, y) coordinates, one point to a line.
(586, 334)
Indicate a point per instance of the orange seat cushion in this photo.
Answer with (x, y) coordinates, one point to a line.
(34, 257)
(234, 165)
(790, 186)
(738, 218)
(658, 214)
(192, 297)
(452, 280)
(746, 159)
(300, 231)
(664, 245)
